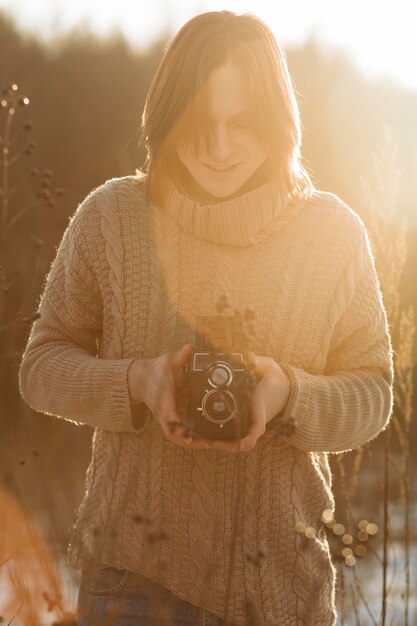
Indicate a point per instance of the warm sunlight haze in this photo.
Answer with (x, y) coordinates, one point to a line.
(208, 313)
(380, 37)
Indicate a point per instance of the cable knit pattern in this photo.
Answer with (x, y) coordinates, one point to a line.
(128, 281)
(110, 229)
(201, 527)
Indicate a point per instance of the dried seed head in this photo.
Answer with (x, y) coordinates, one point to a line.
(256, 559)
(327, 516)
(300, 527)
(361, 550)
(372, 529)
(310, 532)
(141, 518)
(284, 426)
(338, 529)
(363, 524)
(222, 304)
(158, 535)
(249, 314)
(362, 535)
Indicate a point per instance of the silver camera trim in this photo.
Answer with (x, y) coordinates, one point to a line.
(219, 354)
(207, 416)
(226, 367)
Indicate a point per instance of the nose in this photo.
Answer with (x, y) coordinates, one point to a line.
(221, 143)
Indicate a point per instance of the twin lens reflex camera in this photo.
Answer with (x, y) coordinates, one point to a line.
(217, 381)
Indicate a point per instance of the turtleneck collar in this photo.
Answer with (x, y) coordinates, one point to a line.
(240, 221)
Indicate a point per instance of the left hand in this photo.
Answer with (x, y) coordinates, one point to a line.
(268, 399)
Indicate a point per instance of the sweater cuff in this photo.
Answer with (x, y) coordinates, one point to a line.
(135, 413)
(298, 399)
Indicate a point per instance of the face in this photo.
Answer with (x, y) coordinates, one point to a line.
(235, 153)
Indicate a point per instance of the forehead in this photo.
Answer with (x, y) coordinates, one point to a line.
(228, 92)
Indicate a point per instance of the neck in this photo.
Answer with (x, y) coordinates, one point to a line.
(187, 185)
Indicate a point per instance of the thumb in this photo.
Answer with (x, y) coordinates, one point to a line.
(181, 357)
(251, 360)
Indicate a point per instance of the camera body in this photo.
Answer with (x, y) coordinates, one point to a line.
(218, 382)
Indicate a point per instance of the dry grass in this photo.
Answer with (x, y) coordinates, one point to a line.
(28, 567)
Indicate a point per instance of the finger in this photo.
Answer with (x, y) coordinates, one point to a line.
(260, 365)
(185, 441)
(249, 441)
(173, 427)
(246, 443)
(257, 424)
(234, 445)
(176, 435)
(200, 444)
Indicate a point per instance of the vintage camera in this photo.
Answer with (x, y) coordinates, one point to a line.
(218, 382)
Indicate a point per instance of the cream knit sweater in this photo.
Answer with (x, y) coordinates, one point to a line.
(128, 281)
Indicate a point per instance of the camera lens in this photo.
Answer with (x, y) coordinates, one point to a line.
(220, 375)
(219, 406)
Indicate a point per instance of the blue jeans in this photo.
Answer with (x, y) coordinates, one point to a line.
(113, 597)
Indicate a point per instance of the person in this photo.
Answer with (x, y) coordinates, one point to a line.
(178, 527)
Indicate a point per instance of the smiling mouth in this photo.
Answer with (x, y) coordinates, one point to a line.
(221, 169)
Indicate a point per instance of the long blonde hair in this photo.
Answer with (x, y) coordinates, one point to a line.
(175, 107)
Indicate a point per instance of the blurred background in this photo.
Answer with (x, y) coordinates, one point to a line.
(73, 81)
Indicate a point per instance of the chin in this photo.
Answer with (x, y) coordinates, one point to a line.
(247, 180)
(195, 181)
(222, 193)
(223, 189)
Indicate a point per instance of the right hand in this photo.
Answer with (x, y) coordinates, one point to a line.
(154, 382)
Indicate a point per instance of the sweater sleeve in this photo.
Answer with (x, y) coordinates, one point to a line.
(60, 373)
(352, 401)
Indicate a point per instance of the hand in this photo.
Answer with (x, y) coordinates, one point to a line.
(268, 399)
(154, 382)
